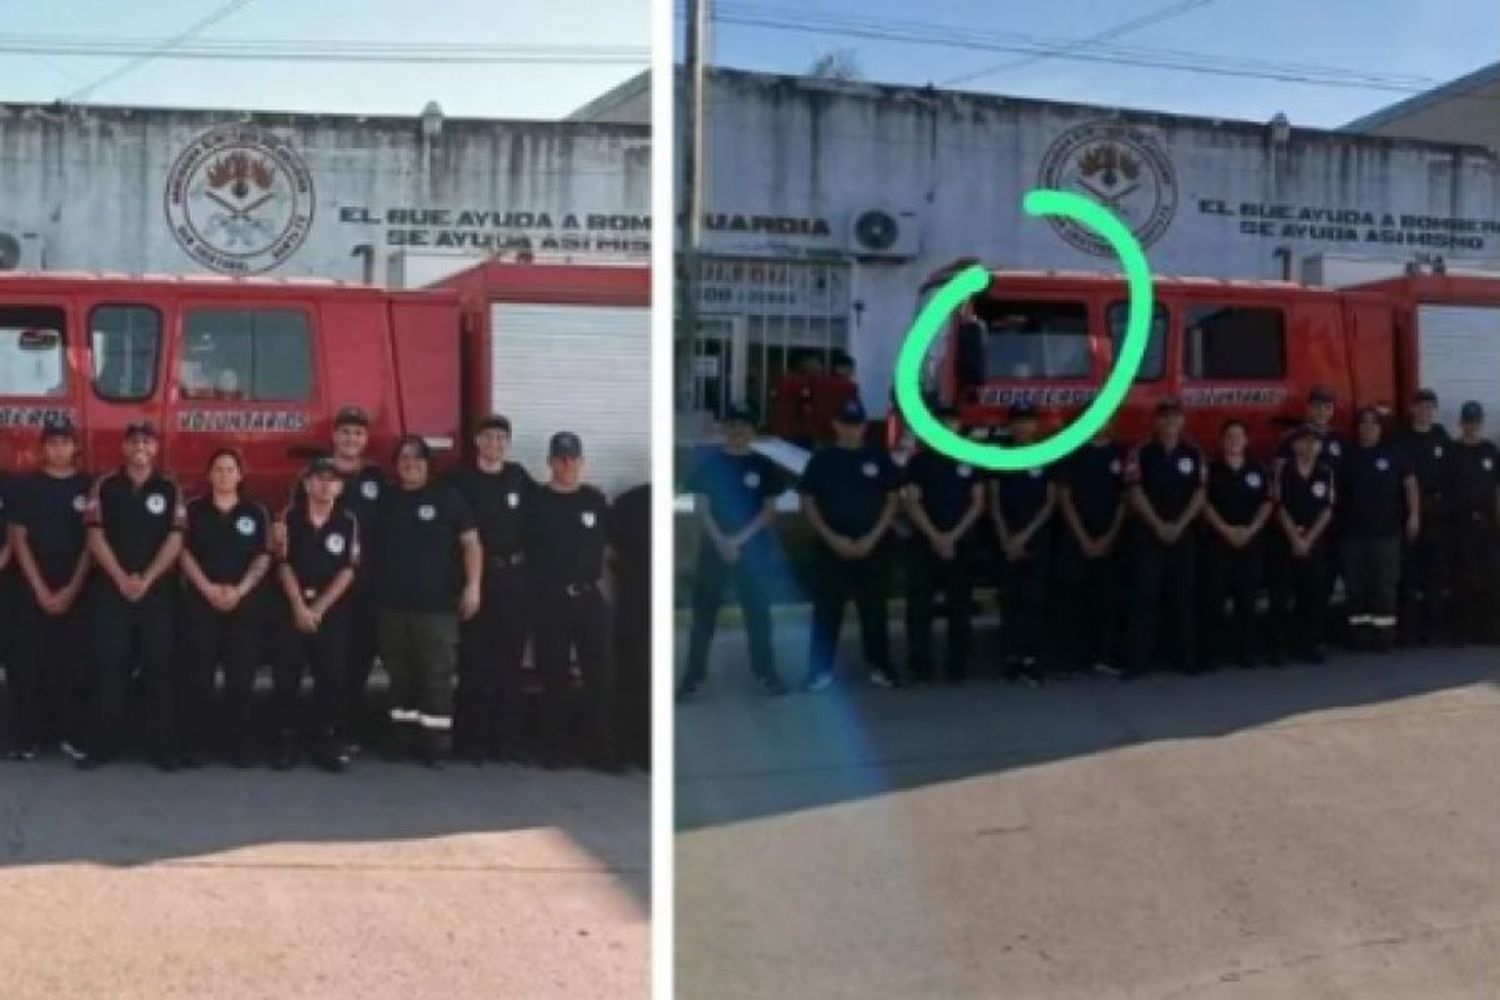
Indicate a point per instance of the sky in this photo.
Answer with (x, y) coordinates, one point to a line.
(1436, 39)
(498, 91)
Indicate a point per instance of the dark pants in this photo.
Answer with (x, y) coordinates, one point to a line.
(491, 694)
(1476, 578)
(118, 629)
(1163, 582)
(49, 686)
(1024, 613)
(1372, 571)
(928, 574)
(571, 622)
(1425, 581)
(750, 575)
(360, 647)
(1299, 596)
(324, 654)
(633, 665)
(211, 638)
(866, 582)
(1230, 583)
(420, 652)
(1087, 595)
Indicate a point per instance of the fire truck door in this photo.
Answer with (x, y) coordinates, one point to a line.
(1458, 356)
(38, 346)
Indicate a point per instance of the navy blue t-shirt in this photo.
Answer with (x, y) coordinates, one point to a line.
(1470, 475)
(1305, 497)
(1424, 451)
(737, 487)
(1168, 478)
(1373, 492)
(947, 487)
(1236, 494)
(1095, 477)
(850, 486)
(1022, 495)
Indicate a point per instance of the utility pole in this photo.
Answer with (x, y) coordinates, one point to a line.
(692, 194)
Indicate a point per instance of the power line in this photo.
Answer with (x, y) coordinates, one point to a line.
(269, 50)
(214, 17)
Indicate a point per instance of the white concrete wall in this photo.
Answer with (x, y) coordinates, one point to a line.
(787, 147)
(84, 189)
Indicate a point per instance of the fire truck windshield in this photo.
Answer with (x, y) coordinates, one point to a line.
(1036, 340)
(31, 352)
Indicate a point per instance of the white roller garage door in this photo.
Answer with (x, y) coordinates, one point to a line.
(1458, 351)
(585, 369)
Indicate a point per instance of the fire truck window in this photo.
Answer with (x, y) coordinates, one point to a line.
(31, 351)
(125, 341)
(261, 355)
(1153, 362)
(1036, 340)
(1235, 342)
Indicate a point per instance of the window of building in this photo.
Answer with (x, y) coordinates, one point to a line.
(1153, 362)
(33, 362)
(1235, 342)
(261, 355)
(125, 341)
(1036, 340)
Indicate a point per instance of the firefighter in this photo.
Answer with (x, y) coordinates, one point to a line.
(49, 687)
(850, 492)
(226, 553)
(1472, 494)
(944, 499)
(630, 543)
(489, 720)
(1321, 403)
(1380, 503)
(316, 570)
(1165, 477)
(565, 551)
(429, 578)
(1021, 505)
(1424, 571)
(1091, 497)
(1236, 509)
(736, 490)
(1305, 496)
(135, 518)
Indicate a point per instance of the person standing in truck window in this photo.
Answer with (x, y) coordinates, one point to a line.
(1166, 477)
(1237, 507)
(1021, 506)
(1381, 504)
(226, 553)
(565, 548)
(1089, 584)
(316, 569)
(489, 720)
(944, 499)
(49, 687)
(1305, 496)
(1424, 570)
(135, 519)
(429, 575)
(1471, 491)
(736, 491)
(849, 495)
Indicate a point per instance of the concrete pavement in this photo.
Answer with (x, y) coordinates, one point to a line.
(386, 882)
(1312, 832)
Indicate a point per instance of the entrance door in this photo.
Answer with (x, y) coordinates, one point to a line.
(718, 364)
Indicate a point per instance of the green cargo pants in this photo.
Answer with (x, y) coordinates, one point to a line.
(420, 652)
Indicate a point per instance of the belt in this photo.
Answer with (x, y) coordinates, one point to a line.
(507, 561)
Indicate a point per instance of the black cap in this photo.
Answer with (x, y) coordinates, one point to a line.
(740, 413)
(59, 427)
(351, 415)
(1170, 404)
(493, 422)
(1424, 396)
(322, 465)
(1023, 410)
(141, 428)
(1320, 394)
(1471, 412)
(565, 444)
(851, 412)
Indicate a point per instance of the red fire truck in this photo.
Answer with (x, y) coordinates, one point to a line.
(263, 364)
(1247, 349)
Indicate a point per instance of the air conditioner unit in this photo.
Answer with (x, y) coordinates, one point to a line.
(19, 251)
(884, 232)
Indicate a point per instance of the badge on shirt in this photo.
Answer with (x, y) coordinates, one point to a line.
(965, 471)
(80, 503)
(427, 512)
(752, 480)
(1185, 465)
(1114, 467)
(1488, 464)
(513, 499)
(245, 526)
(1320, 490)
(335, 544)
(156, 503)
(1252, 480)
(1333, 448)
(371, 489)
(1382, 464)
(1437, 451)
(870, 470)
(1034, 473)
(589, 519)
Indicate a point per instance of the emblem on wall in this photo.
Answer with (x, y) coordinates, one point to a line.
(1120, 167)
(239, 199)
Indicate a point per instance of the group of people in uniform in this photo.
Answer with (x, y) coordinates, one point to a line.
(1119, 558)
(444, 579)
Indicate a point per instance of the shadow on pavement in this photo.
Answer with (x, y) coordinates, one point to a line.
(741, 756)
